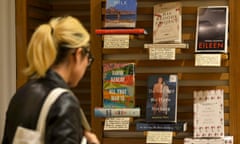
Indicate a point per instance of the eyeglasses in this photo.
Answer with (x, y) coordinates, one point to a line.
(87, 52)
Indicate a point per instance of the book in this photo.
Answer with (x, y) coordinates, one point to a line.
(161, 103)
(224, 140)
(118, 85)
(208, 118)
(120, 14)
(212, 29)
(204, 141)
(179, 126)
(121, 31)
(117, 112)
(167, 22)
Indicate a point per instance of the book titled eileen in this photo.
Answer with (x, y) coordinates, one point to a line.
(120, 31)
(180, 126)
(116, 112)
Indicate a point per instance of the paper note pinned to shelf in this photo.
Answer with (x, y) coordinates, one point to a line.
(121, 123)
(207, 59)
(162, 53)
(164, 137)
(116, 41)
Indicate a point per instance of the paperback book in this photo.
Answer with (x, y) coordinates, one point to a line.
(120, 13)
(212, 29)
(180, 126)
(118, 85)
(167, 22)
(121, 31)
(224, 140)
(161, 103)
(208, 118)
(116, 112)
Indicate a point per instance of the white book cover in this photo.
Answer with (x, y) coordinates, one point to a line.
(208, 114)
(225, 140)
(167, 22)
(203, 141)
(212, 29)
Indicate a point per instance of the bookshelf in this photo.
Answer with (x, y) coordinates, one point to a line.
(191, 78)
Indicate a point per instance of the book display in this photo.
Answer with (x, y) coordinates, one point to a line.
(162, 86)
(161, 103)
(212, 29)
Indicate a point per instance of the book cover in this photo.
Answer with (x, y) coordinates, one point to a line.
(204, 141)
(167, 22)
(121, 31)
(225, 140)
(179, 126)
(161, 103)
(120, 13)
(118, 85)
(208, 118)
(116, 112)
(212, 29)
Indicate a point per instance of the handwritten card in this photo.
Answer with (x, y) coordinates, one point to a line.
(162, 53)
(164, 137)
(208, 60)
(116, 41)
(117, 123)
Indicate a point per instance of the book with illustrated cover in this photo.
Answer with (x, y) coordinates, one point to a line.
(179, 126)
(212, 29)
(167, 22)
(118, 85)
(117, 112)
(161, 103)
(208, 118)
(120, 14)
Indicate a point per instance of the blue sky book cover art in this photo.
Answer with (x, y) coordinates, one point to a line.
(121, 13)
(162, 98)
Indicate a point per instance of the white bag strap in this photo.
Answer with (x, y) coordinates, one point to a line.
(51, 98)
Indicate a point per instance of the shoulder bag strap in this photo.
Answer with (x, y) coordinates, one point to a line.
(51, 98)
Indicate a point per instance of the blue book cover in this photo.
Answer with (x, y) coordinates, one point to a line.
(180, 126)
(161, 103)
(120, 13)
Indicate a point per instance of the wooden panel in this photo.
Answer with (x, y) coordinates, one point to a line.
(234, 49)
(32, 13)
(191, 78)
(21, 40)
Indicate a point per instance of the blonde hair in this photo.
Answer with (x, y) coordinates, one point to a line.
(45, 41)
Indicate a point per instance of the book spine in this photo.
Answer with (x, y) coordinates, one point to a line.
(117, 112)
(120, 31)
(178, 127)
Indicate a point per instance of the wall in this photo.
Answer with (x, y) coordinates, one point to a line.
(7, 57)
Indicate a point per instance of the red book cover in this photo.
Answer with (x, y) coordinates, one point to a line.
(120, 31)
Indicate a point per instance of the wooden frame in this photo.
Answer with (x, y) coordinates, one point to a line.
(96, 87)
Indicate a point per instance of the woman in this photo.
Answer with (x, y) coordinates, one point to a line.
(57, 57)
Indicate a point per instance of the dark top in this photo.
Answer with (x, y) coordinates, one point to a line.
(63, 125)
